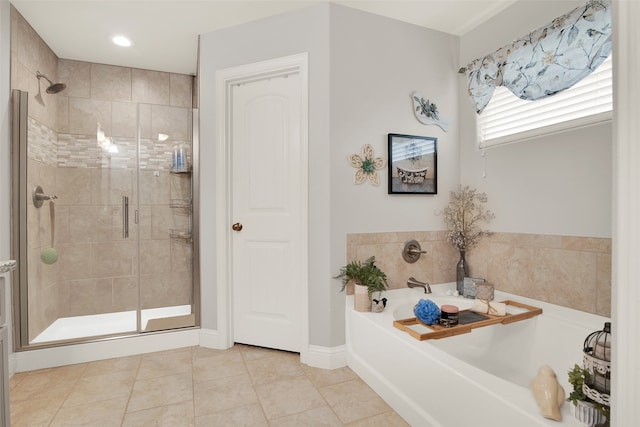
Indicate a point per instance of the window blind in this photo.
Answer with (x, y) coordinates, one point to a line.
(508, 118)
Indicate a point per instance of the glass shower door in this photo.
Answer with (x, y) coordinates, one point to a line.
(108, 249)
(166, 212)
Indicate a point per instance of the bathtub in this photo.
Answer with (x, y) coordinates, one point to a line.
(480, 378)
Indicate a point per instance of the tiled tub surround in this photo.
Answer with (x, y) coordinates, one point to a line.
(96, 271)
(573, 272)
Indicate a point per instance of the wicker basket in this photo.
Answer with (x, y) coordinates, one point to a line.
(361, 298)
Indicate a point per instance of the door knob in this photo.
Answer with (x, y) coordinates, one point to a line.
(236, 227)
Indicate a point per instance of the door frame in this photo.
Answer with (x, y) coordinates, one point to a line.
(225, 79)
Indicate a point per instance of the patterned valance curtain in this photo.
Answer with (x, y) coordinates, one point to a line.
(548, 60)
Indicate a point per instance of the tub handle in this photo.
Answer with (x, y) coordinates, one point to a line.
(412, 251)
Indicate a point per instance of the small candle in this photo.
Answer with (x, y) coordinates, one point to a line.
(449, 315)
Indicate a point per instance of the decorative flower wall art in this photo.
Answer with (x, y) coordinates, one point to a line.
(427, 112)
(367, 166)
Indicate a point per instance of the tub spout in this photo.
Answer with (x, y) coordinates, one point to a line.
(412, 282)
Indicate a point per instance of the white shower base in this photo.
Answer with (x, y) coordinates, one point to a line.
(67, 328)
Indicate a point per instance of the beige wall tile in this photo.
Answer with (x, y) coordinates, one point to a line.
(125, 293)
(155, 256)
(77, 76)
(109, 185)
(587, 244)
(110, 83)
(63, 114)
(173, 121)
(165, 289)
(74, 186)
(154, 190)
(28, 45)
(74, 261)
(86, 297)
(181, 256)
(113, 258)
(571, 271)
(180, 90)
(123, 120)
(144, 112)
(161, 221)
(152, 87)
(603, 286)
(85, 114)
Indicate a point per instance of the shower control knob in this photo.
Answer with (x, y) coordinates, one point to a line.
(236, 227)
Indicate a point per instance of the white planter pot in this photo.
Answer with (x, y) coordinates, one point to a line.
(587, 413)
(361, 298)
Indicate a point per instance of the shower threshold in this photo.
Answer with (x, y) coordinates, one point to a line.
(93, 325)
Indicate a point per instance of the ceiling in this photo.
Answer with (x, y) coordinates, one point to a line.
(165, 32)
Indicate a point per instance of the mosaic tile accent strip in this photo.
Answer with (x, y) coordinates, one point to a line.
(83, 151)
(42, 143)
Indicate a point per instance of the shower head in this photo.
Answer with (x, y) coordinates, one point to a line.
(53, 87)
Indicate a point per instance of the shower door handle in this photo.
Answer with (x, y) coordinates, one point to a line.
(125, 217)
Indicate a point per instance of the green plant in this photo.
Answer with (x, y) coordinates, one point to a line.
(367, 274)
(577, 376)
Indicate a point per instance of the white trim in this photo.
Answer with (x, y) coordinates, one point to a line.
(625, 392)
(224, 81)
(326, 357)
(210, 338)
(106, 349)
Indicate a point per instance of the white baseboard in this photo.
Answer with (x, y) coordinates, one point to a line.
(98, 350)
(325, 357)
(210, 338)
(316, 356)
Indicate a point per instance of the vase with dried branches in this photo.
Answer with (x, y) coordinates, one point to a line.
(463, 216)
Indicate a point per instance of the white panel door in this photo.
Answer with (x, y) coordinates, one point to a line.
(266, 201)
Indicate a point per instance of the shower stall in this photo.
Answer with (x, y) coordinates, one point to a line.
(104, 229)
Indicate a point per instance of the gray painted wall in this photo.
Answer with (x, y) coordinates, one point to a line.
(363, 69)
(559, 184)
(376, 64)
(287, 34)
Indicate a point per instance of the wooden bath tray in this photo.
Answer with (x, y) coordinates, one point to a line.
(439, 331)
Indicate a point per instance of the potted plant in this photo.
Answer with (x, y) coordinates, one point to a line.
(582, 407)
(367, 278)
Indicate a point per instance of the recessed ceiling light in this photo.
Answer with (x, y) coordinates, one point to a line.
(122, 41)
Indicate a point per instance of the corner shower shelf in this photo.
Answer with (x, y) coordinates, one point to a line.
(180, 203)
(436, 331)
(180, 234)
(179, 171)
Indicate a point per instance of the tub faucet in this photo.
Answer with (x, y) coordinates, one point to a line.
(412, 282)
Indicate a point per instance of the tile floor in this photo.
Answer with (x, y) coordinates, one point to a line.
(196, 386)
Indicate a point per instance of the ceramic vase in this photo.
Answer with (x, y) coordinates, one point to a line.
(462, 271)
(548, 392)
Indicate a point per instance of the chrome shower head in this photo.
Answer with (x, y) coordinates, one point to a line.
(53, 87)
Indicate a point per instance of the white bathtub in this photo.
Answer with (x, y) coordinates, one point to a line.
(480, 378)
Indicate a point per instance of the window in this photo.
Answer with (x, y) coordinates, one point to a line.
(508, 118)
